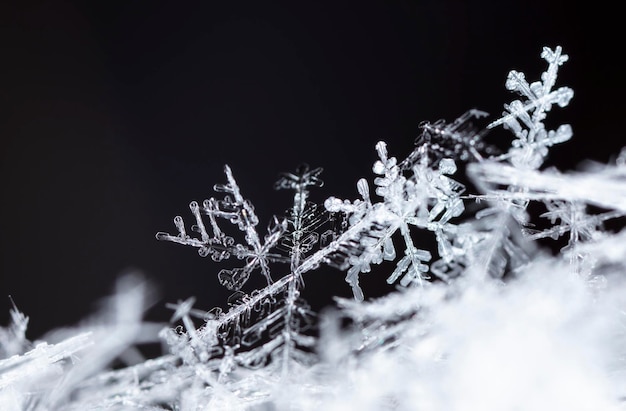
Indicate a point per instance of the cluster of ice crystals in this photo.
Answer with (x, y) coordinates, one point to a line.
(490, 318)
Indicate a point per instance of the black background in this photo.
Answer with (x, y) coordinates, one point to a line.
(115, 115)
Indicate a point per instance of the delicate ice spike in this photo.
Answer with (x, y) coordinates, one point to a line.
(210, 208)
(381, 165)
(516, 81)
(561, 97)
(352, 278)
(195, 210)
(180, 225)
(555, 59)
(247, 211)
(13, 341)
(364, 191)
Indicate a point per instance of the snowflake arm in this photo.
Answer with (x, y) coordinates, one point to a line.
(240, 212)
(410, 267)
(304, 216)
(525, 119)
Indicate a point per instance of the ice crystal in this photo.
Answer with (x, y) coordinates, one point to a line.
(525, 118)
(488, 318)
(13, 338)
(219, 246)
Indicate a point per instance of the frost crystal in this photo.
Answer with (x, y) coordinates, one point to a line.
(492, 316)
(219, 246)
(525, 118)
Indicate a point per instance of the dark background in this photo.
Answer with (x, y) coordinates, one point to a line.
(115, 115)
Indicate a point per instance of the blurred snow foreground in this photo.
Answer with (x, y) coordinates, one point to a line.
(519, 304)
